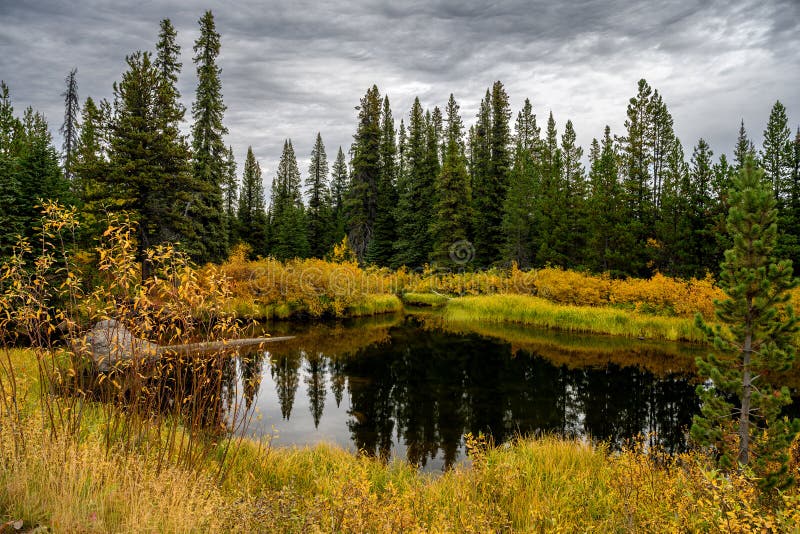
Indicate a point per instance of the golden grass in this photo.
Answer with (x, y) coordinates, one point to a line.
(433, 300)
(533, 485)
(542, 313)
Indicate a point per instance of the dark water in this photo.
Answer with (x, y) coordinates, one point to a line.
(412, 386)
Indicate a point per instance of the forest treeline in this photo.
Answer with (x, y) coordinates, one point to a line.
(425, 191)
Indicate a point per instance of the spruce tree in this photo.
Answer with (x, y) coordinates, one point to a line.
(572, 229)
(208, 147)
(549, 216)
(660, 136)
(91, 169)
(381, 248)
(636, 159)
(173, 156)
(484, 190)
(11, 220)
(414, 189)
(673, 228)
(776, 152)
(319, 205)
(452, 217)
(362, 200)
(230, 199)
(251, 216)
(700, 243)
(136, 178)
(756, 342)
(493, 164)
(39, 174)
(518, 208)
(70, 127)
(744, 148)
(610, 240)
(288, 230)
(338, 194)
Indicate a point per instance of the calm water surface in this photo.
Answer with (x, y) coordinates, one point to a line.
(411, 386)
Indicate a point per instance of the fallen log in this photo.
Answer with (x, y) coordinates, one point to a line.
(109, 343)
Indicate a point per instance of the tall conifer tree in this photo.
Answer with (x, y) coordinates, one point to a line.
(339, 193)
(208, 147)
(757, 343)
(452, 217)
(251, 215)
(518, 208)
(10, 189)
(288, 230)
(319, 205)
(381, 247)
(362, 201)
(70, 127)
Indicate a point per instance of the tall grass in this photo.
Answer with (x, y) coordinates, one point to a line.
(535, 311)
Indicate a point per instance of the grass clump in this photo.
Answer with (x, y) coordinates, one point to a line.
(433, 300)
(538, 312)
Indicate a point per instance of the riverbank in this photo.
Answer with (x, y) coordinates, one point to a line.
(76, 484)
(535, 311)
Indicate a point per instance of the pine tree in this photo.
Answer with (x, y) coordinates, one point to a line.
(70, 128)
(673, 228)
(230, 199)
(381, 248)
(758, 340)
(288, 229)
(135, 178)
(91, 169)
(39, 174)
(10, 190)
(178, 185)
(483, 192)
(450, 226)
(610, 240)
(776, 152)
(208, 147)
(549, 216)
(415, 190)
(700, 243)
(518, 208)
(251, 216)
(744, 148)
(339, 193)
(491, 174)
(572, 230)
(636, 160)
(660, 140)
(319, 205)
(363, 194)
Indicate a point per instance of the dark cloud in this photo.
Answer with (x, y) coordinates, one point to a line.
(292, 69)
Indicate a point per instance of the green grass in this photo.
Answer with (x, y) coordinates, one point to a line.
(535, 311)
(425, 299)
(532, 485)
(373, 305)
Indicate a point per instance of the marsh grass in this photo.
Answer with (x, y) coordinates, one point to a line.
(433, 300)
(538, 312)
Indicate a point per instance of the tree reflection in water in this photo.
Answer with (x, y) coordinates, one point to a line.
(412, 387)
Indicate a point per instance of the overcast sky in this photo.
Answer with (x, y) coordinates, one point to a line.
(293, 68)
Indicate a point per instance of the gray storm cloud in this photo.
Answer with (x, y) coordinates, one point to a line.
(292, 69)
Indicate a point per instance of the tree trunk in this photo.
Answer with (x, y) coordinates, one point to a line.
(744, 417)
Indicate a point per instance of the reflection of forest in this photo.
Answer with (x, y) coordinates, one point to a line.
(424, 388)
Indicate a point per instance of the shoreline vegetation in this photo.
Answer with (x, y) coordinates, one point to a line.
(533, 484)
(659, 308)
(113, 452)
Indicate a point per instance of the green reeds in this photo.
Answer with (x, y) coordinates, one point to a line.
(535, 311)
